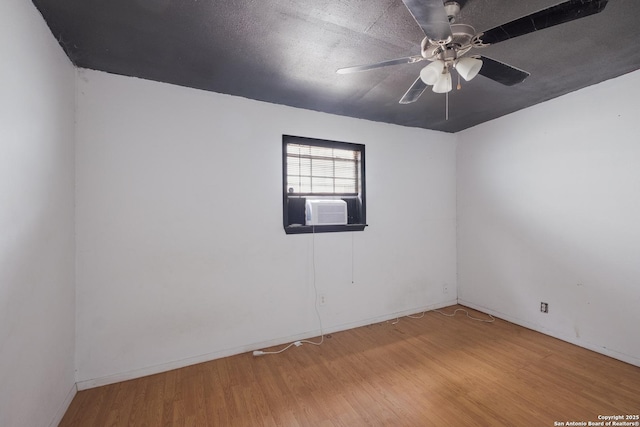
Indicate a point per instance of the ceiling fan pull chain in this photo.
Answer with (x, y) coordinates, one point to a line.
(446, 112)
(459, 85)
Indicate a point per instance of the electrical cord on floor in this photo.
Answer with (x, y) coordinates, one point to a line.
(416, 317)
(315, 289)
(412, 316)
(490, 320)
(296, 343)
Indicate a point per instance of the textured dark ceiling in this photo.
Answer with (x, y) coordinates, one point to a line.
(287, 51)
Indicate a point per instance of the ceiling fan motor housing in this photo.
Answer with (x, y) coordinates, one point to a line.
(452, 10)
(460, 43)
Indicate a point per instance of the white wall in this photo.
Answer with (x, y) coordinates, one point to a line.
(181, 252)
(181, 259)
(549, 209)
(37, 297)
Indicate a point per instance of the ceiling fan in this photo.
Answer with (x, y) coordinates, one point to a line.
(447, 42)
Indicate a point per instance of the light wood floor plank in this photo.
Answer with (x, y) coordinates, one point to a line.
(434, 370)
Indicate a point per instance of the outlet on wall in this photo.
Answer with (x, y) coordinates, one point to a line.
(544, 307)
(322, 298)
(445, 288)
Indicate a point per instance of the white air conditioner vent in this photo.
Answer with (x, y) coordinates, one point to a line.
(326, 212)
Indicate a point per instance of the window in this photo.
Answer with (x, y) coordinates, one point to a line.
(325, 177)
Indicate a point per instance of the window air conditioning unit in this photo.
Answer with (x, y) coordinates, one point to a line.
(325, 212)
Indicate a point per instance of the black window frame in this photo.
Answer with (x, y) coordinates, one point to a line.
(356, 203)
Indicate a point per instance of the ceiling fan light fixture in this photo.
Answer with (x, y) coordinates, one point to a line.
(432, 72)
(468, 68)
(443, 85)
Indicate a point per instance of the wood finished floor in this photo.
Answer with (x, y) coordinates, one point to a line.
(433, 371)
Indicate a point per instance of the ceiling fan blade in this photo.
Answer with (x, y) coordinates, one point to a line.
(554, 15)
(358, 68)
(501, 72)
(432, 18)
(414, 92)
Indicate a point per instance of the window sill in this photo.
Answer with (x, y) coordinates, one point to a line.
(302, 229)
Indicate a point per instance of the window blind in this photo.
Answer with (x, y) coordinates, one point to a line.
(322, 170)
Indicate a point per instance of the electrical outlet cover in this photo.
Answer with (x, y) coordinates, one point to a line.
(322, 299)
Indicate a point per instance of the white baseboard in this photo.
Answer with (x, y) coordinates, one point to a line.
(151, 370)
(64, 406)
(567, 338)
